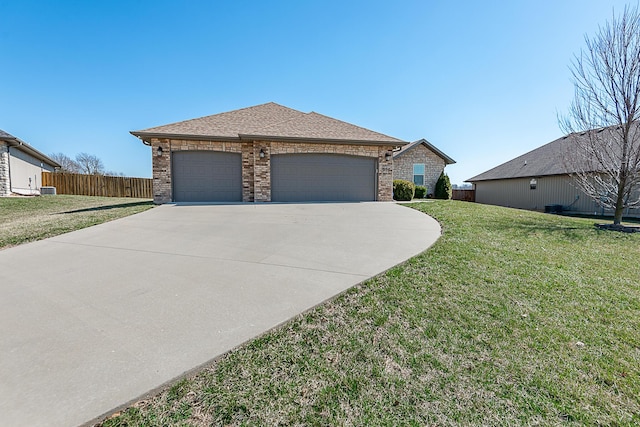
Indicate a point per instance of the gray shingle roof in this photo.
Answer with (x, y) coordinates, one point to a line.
(23, 146)
(4, 135)
(560, 157)
(545, 160)
(269, 121)
(447, 160)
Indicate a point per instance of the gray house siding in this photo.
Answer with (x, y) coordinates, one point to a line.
(550, 190)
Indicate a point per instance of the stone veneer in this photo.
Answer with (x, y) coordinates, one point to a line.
(433, 166)
(5, 188)
(256, 171)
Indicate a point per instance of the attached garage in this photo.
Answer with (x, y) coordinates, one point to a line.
(207, 176)
(322, 177)
(269, 152)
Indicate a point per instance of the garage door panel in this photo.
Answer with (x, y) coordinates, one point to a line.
(207, 176)
(322, 177)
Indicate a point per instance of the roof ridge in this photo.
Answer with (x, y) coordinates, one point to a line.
(224, 113)
(351, 124)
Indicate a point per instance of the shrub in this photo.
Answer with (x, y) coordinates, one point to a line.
(421, 192)
(403, 190)
(443, 187)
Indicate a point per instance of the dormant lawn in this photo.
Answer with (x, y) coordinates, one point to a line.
(25, 219)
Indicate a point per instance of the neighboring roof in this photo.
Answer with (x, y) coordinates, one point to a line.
(447, 160)
(550, 159)
(267, 121)
(23, 146)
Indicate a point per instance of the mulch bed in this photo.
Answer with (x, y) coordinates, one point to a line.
(619, 227)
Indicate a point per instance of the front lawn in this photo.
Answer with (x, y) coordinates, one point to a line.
(25, 219)
(511, 318)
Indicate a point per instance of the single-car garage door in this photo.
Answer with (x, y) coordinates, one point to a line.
(206, 176)
(322, 177)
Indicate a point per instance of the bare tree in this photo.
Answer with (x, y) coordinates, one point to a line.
(90, 164)
(605, 153)
(67, 164)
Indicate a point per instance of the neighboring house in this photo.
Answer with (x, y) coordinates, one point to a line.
(269, 153)
(421, 163)
(21, 166)
(539, 180)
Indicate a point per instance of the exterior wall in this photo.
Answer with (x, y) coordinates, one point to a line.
(26, 172)
(433, 166)
(5, 189)
(550, 190)
(256, 170)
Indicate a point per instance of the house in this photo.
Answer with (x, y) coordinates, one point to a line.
(540, 180)
(421, 163)
(269, 152)
(21, 166)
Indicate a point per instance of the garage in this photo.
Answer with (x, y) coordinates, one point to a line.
(322, 177)
(206, 176)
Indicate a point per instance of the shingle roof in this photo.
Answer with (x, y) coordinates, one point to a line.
(4, 135)
(269, 121)
(23, 146)
(447, 160)
(545, 160)
(555, 158)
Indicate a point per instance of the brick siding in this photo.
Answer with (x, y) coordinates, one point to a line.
(433, 166)
(256, 170)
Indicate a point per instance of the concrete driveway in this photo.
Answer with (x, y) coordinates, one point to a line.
(94, 319)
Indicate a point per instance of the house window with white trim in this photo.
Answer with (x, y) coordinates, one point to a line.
(418, 173)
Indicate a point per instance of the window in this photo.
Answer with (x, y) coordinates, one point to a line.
(418, 173)
(533, 184)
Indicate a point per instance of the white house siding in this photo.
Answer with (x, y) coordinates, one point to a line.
(26, 172)
(550, 190)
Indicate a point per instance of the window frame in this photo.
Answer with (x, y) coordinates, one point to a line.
(423, 174)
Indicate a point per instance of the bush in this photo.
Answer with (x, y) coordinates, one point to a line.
(403, 190)
(421, 192)
(443, 187)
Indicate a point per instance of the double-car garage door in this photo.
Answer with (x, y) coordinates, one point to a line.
(207, 176)
(322, 177)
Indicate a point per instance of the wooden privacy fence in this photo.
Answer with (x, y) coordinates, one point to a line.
(464, 195)
(98, 185)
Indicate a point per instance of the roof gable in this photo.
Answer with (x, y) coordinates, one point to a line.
(269, 121)
(447, 160)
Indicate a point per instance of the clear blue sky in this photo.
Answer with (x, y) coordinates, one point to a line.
(481, 80)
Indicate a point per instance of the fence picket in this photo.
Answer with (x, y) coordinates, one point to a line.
(98, 185)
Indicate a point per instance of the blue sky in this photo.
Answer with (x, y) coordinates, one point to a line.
(483, 81)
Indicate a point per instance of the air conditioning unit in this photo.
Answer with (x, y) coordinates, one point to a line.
(48, 191)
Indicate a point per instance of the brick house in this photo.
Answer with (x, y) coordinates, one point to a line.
(421, 163)
(21, 166)
(269, 153)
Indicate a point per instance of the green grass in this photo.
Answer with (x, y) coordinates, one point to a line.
(511, 318)
(25, 219)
